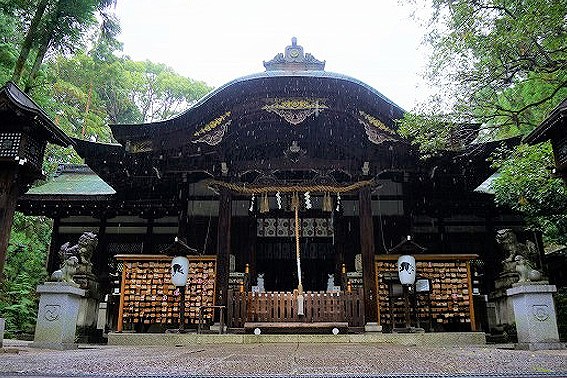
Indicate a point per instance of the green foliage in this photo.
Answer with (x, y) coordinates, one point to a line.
(499, 63)
(159, 92)
(25, 269)
(57, 27)
(526, 184)
(89, 91)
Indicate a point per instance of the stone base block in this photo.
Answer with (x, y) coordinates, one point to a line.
(56, 346)
(534, 311)
(540, 346)
(372, 327)
(57, 315)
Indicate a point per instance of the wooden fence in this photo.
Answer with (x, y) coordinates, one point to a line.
(282, 307)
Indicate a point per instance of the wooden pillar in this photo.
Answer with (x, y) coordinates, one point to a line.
(442, 234)
(367, 250)
(102, 260)
(52, 263)
(339, 240)
(9, 192)
(223, 246)
(182, 221)
(149, 238)
(252, 234)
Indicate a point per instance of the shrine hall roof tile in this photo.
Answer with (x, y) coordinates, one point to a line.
(336, 79)
(73, 180)
(285, 73)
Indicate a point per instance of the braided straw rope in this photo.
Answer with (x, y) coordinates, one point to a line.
(291, 188)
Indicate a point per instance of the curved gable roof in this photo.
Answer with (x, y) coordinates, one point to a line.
(291, 76)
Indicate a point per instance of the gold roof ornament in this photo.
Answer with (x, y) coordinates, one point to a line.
(213, 132)
(296, 110)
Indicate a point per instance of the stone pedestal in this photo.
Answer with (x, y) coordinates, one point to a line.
(59, 305)
(503, 311)
(534, 311)
(87, 331)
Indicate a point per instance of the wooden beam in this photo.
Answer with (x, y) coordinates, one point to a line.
(432, 257)
(223, 246)
(367, 250)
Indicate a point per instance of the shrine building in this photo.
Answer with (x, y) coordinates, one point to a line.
(286, 182)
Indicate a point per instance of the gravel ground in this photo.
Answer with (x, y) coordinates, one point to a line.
(276, 359)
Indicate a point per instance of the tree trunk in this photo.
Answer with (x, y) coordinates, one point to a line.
(28, 41)
(42, 49)
(38, 60)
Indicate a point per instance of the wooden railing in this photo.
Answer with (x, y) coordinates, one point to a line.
(282, 307)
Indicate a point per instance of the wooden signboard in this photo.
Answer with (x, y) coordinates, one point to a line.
(147, 295)
(449, 300)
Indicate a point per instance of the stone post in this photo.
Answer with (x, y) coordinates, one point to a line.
(59, 305)
(2, 327)
(534, 311)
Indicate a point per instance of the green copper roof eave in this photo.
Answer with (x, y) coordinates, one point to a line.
(73, 184)
(118, 129)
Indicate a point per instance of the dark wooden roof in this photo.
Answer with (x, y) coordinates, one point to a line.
(293, 123)
(553, 125)
(253, 125)
(16, 102)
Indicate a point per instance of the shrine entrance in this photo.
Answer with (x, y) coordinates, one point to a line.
(277, 260)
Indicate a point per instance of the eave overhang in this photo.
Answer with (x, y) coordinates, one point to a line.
(348, 93)
(550, 127)
(22, 104)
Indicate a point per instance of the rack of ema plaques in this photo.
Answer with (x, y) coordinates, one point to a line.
(445, 305)
(147, 296)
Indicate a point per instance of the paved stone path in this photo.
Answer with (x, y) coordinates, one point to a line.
(277, 359)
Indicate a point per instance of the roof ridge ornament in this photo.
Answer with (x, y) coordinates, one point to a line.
(294, 60)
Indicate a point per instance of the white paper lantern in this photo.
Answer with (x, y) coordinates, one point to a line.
(179, 270)
(406, 269)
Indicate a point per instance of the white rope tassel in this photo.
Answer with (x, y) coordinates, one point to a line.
(251, 208)
(279, 200)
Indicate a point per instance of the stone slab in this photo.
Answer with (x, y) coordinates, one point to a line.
(372, 327)
(55, 346)
(101, 315)
(532, 288)
(421, 339)
(539, 346)
(60, 288)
